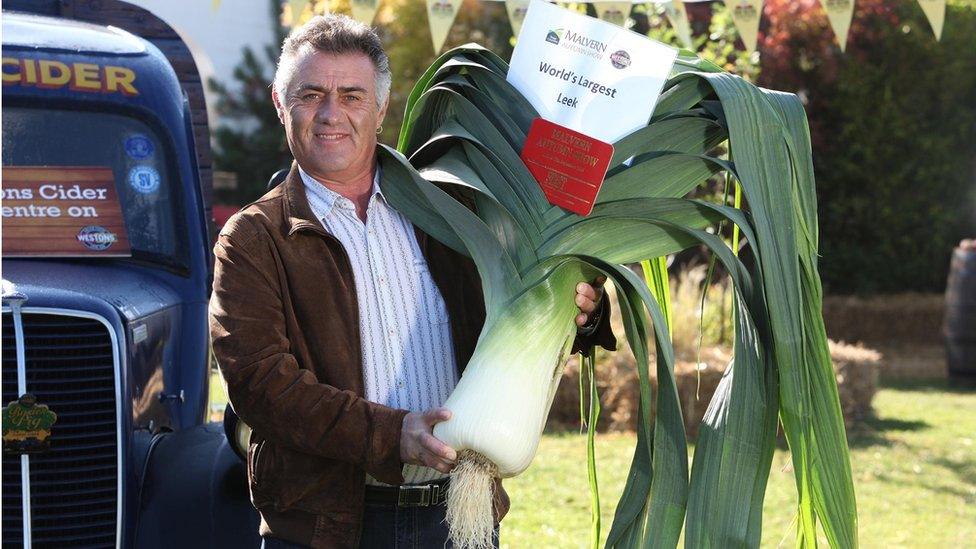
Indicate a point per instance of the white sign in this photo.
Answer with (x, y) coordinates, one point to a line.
(586, 74)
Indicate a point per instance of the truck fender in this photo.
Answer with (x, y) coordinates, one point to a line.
(195, 494)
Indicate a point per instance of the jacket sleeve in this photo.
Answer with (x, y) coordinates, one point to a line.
(268, 390)
(596, 331)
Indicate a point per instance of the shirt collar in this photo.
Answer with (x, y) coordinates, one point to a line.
(323, 199)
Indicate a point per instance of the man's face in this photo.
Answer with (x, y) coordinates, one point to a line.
(330, 114)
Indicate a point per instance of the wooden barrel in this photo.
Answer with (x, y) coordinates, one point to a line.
(960, 319)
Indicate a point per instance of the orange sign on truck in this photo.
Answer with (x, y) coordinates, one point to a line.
(62, 211)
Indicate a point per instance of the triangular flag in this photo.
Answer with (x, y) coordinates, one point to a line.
(745, 15)
(678, 16)
(516, 14)
(613, 12)
(839, 12)
(935, 12)
(364, 10)
(296, 7)
(440, 16)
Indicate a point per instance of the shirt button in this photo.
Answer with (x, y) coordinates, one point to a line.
(389, 332)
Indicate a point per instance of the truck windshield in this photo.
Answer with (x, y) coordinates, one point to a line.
(147, 191)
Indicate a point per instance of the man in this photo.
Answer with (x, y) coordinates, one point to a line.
(339, 328)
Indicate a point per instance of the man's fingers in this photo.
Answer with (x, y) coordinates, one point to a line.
(437, 415)
(580, 319)
(434, 446)
(585, 290)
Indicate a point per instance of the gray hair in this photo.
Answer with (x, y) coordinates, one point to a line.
(337, 34)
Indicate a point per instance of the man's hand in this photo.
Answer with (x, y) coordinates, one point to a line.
(588, 296)
(418, 446)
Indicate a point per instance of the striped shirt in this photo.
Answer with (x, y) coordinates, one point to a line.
(408, 355)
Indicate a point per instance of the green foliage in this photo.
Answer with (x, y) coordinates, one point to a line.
(406, 37)
(719, 46)
(893, 126)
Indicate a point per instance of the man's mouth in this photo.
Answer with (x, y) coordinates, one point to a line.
(331, 137)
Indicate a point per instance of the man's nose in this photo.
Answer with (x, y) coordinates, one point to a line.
(328, 111)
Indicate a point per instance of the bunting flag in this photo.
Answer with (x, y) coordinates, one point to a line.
(516, 14)
(613, 12)
(678, 16)
(296, 8)
(839, 12)
(745, 15)
(440, 17)
(364, 11)
(935, 13)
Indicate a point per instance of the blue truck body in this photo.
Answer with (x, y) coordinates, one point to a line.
(156, 474)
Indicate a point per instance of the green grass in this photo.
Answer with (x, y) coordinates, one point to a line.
(914, 470)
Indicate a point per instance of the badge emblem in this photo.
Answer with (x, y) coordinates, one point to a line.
(144, 179)
(139, 147)
(27, 426)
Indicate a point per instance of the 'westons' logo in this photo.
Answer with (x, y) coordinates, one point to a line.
(96, 238)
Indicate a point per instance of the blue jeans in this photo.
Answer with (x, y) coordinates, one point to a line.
(390, 527)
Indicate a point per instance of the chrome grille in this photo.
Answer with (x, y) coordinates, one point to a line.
(74, 486)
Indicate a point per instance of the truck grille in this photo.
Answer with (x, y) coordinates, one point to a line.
(74, 486)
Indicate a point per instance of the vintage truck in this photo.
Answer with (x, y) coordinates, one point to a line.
(106, 275)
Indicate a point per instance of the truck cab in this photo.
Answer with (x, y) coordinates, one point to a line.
(106, 274)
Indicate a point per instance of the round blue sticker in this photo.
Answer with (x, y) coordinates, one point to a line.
(144, 179)
(139, 147)
(96, 238)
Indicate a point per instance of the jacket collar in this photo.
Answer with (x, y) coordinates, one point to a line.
(298, 214)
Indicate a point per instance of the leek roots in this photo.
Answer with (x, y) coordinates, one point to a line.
(469, 501)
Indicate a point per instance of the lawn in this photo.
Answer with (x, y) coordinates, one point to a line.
(914, 470)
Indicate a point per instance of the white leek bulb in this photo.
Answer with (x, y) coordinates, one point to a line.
(500, 405)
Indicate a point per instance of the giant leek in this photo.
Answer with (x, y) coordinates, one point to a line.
(460, 179)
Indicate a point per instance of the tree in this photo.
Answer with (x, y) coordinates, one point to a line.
(256, 147)
(893, 125)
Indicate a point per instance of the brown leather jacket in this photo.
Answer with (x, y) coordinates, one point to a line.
(285, 331)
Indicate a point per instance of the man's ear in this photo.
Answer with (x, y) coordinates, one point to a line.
(279, 108)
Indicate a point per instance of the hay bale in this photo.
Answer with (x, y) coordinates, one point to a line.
(856, 368)
(697, 374)
(908, 318)
(619, 388)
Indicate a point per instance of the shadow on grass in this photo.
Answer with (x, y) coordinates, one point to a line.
(873, 431)
(964, 469)
(927, 385)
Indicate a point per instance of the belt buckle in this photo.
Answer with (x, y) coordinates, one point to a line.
(414, 496)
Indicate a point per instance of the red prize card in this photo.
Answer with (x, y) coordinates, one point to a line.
(568, 165)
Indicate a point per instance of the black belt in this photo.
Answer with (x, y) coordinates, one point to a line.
(414, 495)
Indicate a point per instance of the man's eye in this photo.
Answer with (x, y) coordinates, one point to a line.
(353, 98)
(309, 96)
